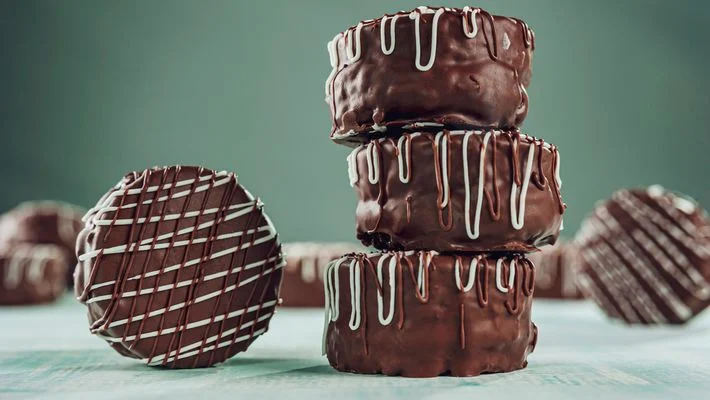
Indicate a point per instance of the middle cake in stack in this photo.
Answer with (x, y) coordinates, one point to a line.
(449, 190)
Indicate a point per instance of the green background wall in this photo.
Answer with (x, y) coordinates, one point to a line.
(90, 90)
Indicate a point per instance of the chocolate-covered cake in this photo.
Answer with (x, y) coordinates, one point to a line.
(31, 274)
(556, 272)
(305, 265)
(457, 191)
(179, 267)
(422, 314)
(645, 257)
(45, 222)
(445, 67)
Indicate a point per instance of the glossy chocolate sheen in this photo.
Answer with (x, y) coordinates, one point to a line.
(476, 75)
(556, 272)
(303, 276)
(645, 257)
(423, 191)
(179, 267)
(423, 314)
(45, 222)
(31, 274)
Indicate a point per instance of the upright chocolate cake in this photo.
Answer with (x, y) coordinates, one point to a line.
(31, 274)
(46, 223)
(179, 267)
(431, 100)
(645, 257)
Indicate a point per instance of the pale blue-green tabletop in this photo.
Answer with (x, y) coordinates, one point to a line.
(47, 352)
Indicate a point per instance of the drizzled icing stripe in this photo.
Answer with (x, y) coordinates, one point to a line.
(469, 15)
(506, 280)
(467, 186)
(373, 163)
(355, 283)
(380, 308)
(404, 148)
(442, 144)
(416, 16)
(471, 274)
(517, 218)
(353, 48)
(385, 49)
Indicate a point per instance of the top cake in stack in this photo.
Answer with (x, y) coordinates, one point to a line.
(449, 190)
(429, 68)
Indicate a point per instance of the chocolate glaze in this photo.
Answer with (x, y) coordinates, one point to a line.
(645, 257)
(476, 77)
(31, 274)
(421, 314)
(45, 222)
(208, 255)
(303, 276)
(556, 272)
(412, 192)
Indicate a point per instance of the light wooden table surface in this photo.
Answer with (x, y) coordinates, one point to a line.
(47, 352)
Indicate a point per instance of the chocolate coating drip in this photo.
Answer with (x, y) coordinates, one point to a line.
(458, 191)
(179, 267)
(305, 265)
(31, 274)
(46, 223)
(556, 272)
(444, 66)
(422, 314)
(645, 257)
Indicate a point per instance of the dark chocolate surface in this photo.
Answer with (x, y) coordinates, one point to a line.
(476, 76)
(421, 314)
(179, 267)
(423, 191)
(645, 257)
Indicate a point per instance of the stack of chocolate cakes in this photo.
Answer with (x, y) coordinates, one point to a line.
(450, 191)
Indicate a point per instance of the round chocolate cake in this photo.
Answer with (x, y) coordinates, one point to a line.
(458, 191)
(305, 265)
(31, 274)
(45, 222)
(645, 257)
(556, 272)
(430, 66)
(422, 314)
(179, 267)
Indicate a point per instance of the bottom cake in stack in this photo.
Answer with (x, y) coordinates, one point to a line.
(424, 314)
